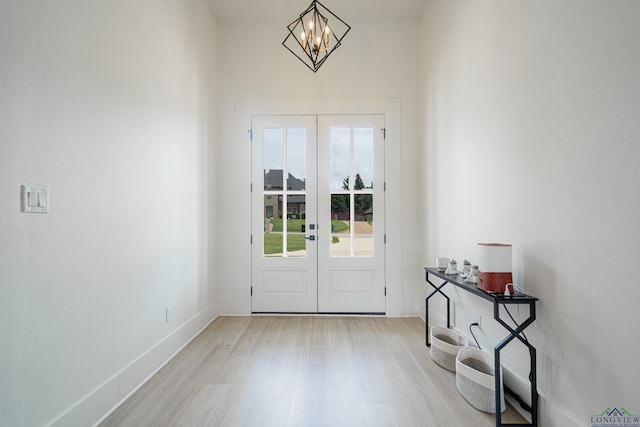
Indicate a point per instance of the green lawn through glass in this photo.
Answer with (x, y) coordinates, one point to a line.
(295, 242)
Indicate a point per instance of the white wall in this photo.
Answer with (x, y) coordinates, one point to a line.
(376, 60)
(530, 132)
(111, 105)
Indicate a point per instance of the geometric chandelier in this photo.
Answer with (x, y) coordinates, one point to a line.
(311, 38)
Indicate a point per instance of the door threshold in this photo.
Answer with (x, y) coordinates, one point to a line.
(286, 313)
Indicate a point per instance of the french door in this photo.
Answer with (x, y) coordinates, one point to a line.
(318, 214)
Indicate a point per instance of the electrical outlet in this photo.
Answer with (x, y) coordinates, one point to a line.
(168, 314)
(477, 319)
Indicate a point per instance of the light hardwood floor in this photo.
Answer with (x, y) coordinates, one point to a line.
(304, 371)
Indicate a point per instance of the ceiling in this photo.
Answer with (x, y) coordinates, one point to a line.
(286, 11)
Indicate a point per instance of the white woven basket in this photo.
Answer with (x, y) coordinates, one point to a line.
(445, 345)
(476, 381)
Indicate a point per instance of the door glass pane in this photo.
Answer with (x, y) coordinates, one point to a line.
(272, 226)
(363, 157)
(340, 225)
(273, 158)
(352, 203)
(296, 243)
(363, 225)
(340, 157)
(296, 158)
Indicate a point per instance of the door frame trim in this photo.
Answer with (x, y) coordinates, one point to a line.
(240, 303)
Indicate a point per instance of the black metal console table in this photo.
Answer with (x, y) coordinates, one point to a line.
(497, 300)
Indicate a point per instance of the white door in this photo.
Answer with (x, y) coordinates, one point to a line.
(317, 182)
(351, 214)
(283, 199)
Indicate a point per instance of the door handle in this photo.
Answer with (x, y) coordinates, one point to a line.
(310, 238)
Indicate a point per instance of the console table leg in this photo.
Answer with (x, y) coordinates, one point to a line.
(426, 310)
(426, 322)
(498, 384)
(534, 387)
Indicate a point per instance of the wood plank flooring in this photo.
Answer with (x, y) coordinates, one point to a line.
(304, 371)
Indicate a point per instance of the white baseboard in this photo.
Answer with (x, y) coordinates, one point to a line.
(552, 416)
(229, 307)
(96, 406)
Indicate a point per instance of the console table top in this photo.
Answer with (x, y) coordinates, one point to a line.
(457, 280)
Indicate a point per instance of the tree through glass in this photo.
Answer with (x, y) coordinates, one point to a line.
(351, 180)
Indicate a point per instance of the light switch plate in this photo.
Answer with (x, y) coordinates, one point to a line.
(35, 199)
